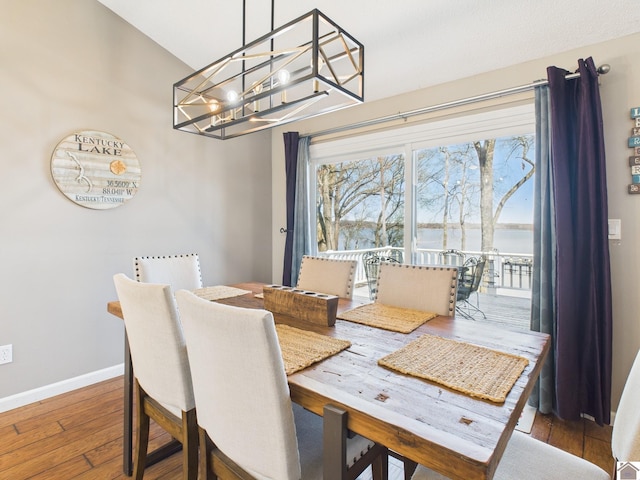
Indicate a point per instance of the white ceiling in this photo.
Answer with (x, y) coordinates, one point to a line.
(409, 44)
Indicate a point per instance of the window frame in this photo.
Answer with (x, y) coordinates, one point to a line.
(497, 122)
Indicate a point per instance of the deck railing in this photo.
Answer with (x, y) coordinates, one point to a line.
(503, 270)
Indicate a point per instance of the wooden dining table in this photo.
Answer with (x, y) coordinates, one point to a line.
(455, 434)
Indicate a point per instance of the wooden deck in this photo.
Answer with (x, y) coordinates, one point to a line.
(504, 311)
(501, 310)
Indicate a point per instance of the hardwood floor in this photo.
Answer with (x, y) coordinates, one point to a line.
(78, 435)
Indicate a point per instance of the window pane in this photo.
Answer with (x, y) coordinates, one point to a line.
(360, 204)
(476, 196)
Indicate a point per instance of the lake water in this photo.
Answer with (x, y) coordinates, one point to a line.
(505, 240)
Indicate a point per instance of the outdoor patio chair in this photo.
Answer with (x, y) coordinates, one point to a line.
(469, 280)
(451, 257)
(371, 262)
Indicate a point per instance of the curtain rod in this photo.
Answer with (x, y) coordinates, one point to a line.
(603, 69)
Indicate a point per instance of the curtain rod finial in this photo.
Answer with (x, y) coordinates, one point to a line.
(604, 69)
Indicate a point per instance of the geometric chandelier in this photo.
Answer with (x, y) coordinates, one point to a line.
(308, 67)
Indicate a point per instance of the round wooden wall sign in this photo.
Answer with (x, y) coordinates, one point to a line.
(95, 169)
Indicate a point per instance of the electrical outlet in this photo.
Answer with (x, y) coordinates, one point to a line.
(6, 354)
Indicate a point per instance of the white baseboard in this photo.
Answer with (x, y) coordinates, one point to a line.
(37, 394)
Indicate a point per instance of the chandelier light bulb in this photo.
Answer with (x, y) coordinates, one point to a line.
(214, 105)
(257, 89)
(316, 84)
(232, 96)
(284, 76)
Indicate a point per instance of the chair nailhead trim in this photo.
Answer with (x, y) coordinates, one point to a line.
(152, 257)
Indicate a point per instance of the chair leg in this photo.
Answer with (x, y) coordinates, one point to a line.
(380, 466)
(409, 468)
(475, 309)
(203, 460)
(142, 431)
(471, 310)
(189, 445)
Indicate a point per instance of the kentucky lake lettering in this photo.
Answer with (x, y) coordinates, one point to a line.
(99, 145)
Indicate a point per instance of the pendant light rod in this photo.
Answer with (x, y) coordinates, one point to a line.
(244, 22)
(273, 26)
(244, 41)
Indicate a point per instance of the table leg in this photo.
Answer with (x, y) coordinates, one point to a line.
(334, 442)
(127, 439)
(334, 445)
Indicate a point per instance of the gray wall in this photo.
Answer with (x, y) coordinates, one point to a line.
(70, 65)
(620, 91)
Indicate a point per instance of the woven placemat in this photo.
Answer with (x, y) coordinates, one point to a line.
(219, 291)
(471, 369)
(301, 348)
(403, 320)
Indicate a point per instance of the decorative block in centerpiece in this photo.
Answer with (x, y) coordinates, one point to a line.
(313, 307)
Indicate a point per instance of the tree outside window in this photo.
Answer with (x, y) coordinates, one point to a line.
(360, 204)
(468, 185)
(460, 189)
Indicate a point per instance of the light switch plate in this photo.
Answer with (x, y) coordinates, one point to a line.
(6, 354)
(615, 229)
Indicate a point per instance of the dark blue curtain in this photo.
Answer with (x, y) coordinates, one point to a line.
(583, 282)
(301, 216)
(290, 166)
(543, 283)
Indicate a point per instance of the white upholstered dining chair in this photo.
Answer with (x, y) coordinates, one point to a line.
(248, 426)
(418, 287)
(327, 275)
(178, 271)
(625, 437)
(163, 388)
(526, 458)
(425, 288)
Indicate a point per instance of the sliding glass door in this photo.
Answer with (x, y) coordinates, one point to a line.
(463, 184)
